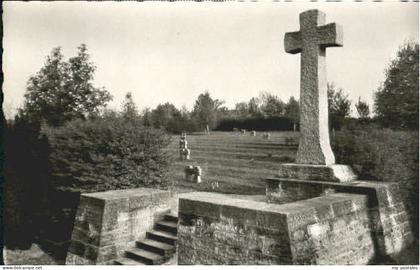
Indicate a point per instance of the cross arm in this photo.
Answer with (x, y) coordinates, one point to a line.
(293, 42)
(330, 35)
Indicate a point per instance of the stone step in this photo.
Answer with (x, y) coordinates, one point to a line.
(156, 247)
(161, 236)
(147, 257)
(127, 261)
(171, 217)
(167, 226)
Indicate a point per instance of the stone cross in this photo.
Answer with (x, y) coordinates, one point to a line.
(311, 41)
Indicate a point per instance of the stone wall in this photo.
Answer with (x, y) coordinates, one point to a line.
(332, 229)
(108, 223)
(391, 223)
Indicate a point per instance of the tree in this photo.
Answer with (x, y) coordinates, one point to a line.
(242, 109)
(338, 106)
(271, 105)
(362, 109)
(129, 109)
(62, 91)
(292, 110)
(254, 107)
(206, 110)
(163, 114)
(397, 98)
(146, 116)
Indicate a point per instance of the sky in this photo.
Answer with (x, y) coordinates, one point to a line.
(173, 51)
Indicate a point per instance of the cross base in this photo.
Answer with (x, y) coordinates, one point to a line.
(329, 173)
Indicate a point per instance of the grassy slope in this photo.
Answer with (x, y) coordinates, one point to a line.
(232, 162)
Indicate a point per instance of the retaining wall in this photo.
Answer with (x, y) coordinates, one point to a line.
(108, 223)
(389, 217)
(332, 229)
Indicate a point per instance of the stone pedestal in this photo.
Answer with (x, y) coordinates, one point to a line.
(218, 229)
(108, 223)
(330, 173)
(388, 217)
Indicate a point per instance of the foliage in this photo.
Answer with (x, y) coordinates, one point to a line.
(129, 108)
(397, 99)
(362, 109)
(292, 110)
(26, 164)
(107, 153)
(383, 155)
(254, 107)
(206, 111)
(146, 116)
(338, 106)
(260, 112)
(242, 109)
(168, 117)
(271, 105)
(163, 114)
(62, 91)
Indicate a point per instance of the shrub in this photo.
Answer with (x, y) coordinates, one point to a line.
(107, 153)
(383, 155)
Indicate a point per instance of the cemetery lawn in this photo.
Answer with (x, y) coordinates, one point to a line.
(232, 162)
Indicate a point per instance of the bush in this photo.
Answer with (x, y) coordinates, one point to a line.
(383, 155)
(107, 153)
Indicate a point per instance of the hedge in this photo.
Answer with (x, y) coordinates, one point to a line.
(383, 155)
(107, 153)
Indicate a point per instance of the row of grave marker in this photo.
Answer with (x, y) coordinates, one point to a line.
(192, 173)
(253, 133)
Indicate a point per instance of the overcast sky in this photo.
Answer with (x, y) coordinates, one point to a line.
(172, 52)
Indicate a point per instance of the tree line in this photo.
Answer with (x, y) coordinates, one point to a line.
(63, 90)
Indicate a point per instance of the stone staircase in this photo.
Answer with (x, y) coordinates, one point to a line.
(157, 248)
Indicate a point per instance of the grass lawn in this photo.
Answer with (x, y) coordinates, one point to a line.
(232, 162)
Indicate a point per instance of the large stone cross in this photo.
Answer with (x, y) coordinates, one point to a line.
(312, 39)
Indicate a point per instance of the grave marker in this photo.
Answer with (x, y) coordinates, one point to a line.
(184, 152)
(193, 174)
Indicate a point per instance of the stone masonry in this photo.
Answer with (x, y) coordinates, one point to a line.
(311, 41)
(217, 229)
(108, 223)
(314, 152)
(390, 225)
